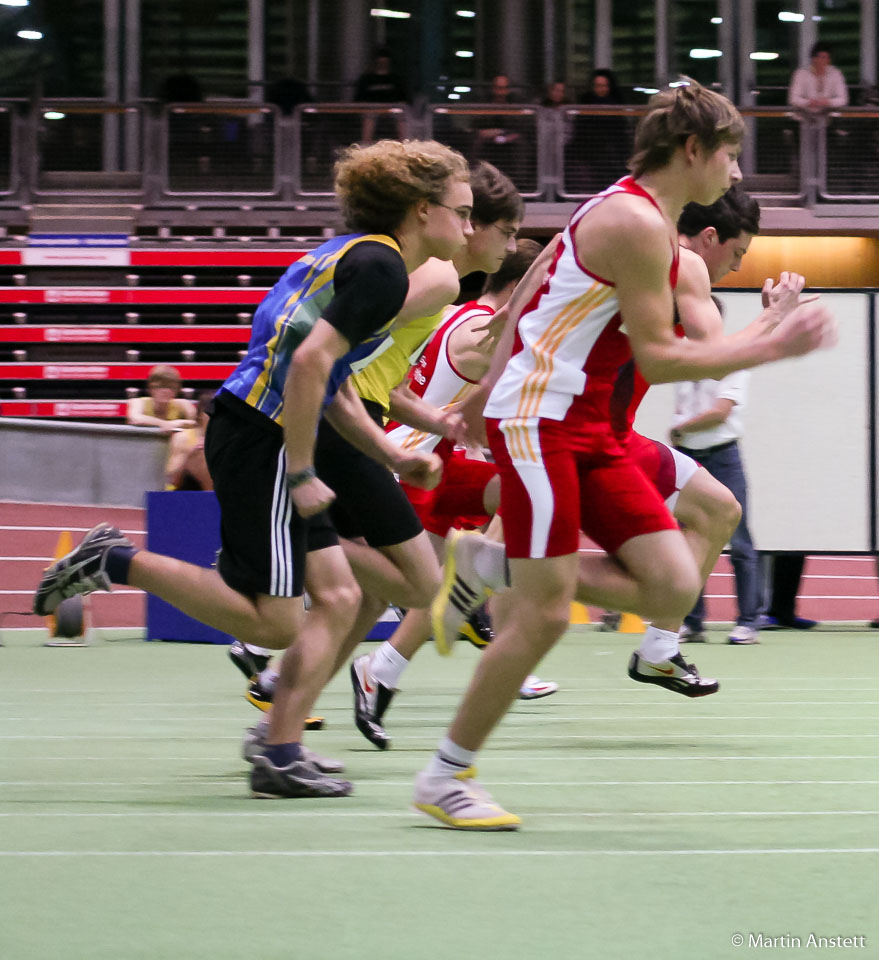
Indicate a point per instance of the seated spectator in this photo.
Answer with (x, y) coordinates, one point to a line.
(502, 140)
(163, 408)
(287, 93)
(820, 85)
(186, 468)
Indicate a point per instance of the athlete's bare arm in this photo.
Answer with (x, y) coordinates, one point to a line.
(467, 349)
(698, 312)
(432, 287)
(635, 254)
(304, 392)
(408, 408)
(348, 417)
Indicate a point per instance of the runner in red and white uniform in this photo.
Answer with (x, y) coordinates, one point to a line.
(607, 299)
(466, 474)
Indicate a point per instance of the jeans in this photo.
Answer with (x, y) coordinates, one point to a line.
(725, 465)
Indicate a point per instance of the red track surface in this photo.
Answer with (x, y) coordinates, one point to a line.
(833, 588)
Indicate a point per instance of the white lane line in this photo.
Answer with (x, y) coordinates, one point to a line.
(295, 814)
(62, 528)
(530, 757)
(431, 735)
(758, 851)
(380, 784)
(525, 719)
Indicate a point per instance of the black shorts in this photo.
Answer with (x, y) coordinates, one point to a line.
(369, 501)
(264, 540)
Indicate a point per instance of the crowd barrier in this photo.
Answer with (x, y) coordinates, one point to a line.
(210, 153)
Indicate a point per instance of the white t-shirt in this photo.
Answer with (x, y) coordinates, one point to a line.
(806, 85)
(695, 397)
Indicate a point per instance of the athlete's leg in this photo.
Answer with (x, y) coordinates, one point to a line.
(536, 614)
(307, 663)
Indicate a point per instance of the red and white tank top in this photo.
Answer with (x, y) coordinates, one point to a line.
(434, 378)
(571, 360)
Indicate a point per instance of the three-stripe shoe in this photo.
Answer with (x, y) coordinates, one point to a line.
(82, 571)
(260, 694)
(461, 803)
(462, 592)
(371, 699)
(478, 630)
(673, 674)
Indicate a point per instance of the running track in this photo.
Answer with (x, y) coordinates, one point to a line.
(833, 587)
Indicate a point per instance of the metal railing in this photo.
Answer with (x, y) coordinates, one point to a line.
(221, 153)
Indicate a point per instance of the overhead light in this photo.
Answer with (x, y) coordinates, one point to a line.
(464, 53)
(465, 13)
(461, 89)
(454, 96)
(716, 20)
(650, 90)
(789, 17)
(680, 83)
(14, 3)
(764, 56)
(53, 115)
(701, 53)
(30, 35)
(391, 14)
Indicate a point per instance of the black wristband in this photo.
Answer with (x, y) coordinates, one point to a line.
(297, 479)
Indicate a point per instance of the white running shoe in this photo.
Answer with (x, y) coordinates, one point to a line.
(462, 592)
(534, 688)
(461, 803)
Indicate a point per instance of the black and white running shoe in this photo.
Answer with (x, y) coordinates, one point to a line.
(82, 571)
(673, 674)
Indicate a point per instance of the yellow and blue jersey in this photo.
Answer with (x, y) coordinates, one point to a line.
(287, 315)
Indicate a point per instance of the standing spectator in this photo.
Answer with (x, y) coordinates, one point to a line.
(820, 85)
(499, 138)
(599, 146)
(163, 408)
(381, 85)
(787, 571)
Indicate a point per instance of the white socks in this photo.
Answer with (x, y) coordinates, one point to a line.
(490, 561)
(449, 759)
(658, 645)
(387, 666)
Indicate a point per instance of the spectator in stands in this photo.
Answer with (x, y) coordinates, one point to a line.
(556, 95)
(820, 85)
(163, 408)
(599, 146)
(499, 139)
(787, 570)
(186, 467)
(381, 85)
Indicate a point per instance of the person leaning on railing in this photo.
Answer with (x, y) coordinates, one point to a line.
(820, 85)
(163, 408)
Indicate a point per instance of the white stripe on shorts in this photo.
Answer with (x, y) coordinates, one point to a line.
(535, 479)
(282, 546)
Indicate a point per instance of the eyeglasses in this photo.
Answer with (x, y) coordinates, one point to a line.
(463, 213)
(508, 232)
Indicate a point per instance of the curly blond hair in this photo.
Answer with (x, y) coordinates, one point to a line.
(377, 184)
(677, 113)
